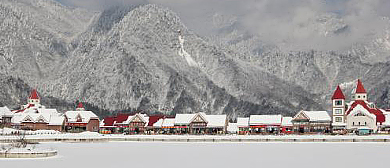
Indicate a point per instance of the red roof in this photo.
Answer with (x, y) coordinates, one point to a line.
(360, 87)
(120, 118)
(33, 94)
(109, 121)
(154, 119)
(379, 115)
(338, 94)
(80, 105)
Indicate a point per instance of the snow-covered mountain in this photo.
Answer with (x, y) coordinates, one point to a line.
(145, 58)
(318, 72)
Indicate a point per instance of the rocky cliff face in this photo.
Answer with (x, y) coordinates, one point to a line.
(144, 58)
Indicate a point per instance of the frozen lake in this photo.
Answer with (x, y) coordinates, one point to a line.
(218, 155)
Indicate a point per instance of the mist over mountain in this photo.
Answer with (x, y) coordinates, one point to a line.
(143, 57)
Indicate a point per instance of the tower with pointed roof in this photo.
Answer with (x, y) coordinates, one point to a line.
(34, 98)
(360, 92)
(338, 108)
(80, 107)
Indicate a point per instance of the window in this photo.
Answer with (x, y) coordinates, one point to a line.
(353, 123)
(359, 123)
(339, 119)
(358, 97)
(338, 102)
(365, 123)
(359, 114)
(338, 111)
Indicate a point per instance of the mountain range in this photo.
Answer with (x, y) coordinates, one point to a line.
(143, 58)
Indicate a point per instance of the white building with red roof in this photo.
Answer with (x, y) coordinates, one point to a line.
(359, 114)
(35, 116)
(81, 120)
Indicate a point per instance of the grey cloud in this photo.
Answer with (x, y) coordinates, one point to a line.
(291, 24)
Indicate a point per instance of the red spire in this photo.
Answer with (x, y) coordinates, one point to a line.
(33, 94)
(338, 94)
(360, 87)
(80, 105)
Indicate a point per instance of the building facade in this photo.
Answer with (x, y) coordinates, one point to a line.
(34, 116)
(81, 120)
(311, 122)
(357, 115)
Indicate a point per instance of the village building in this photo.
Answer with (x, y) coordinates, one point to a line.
(311, 122)
(125, 123)
(265, 124)
(287, 126)
(107, 126)
(243, 125)
(338, 111)
(150, 129)
(165, 126)
(5, 116)
(34, 116)
(191, 123)
(359, 115)
(81, 120)
(216, 124)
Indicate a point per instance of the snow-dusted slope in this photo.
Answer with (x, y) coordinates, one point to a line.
(133, 58)
(144, 58)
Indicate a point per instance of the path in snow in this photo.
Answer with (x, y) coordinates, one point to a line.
(185, 55)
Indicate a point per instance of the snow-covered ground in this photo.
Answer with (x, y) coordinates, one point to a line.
(210, 155)
(49, 135)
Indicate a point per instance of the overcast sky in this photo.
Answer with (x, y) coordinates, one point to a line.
(295, 23)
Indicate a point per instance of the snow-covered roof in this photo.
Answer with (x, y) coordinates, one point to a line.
(58, 120)
(317, 115)
(216, 120)
(286, 121)
(5, 111)
(359, 108)
(183, 119)
(50, 119)
(168, 122)
(85, 116)
(232, 127)
(143, 117)
(242, 122)
(265, 120)
(159, 123)
(387, 121)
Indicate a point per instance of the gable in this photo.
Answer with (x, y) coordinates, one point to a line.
(78, 118)
(41, 119)
(137, 118)
(301, 116)
(360, 111)
(198, 118)
(28, 119)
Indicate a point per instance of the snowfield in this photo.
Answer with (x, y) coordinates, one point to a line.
(209, 155)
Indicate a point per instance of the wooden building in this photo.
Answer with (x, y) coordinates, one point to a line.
(191, 123)
(287, 126)
(265, 124)
(81, 120)
(34, 116)
(5, 117)
(216, 124)
(243, 126)
(311, 122)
